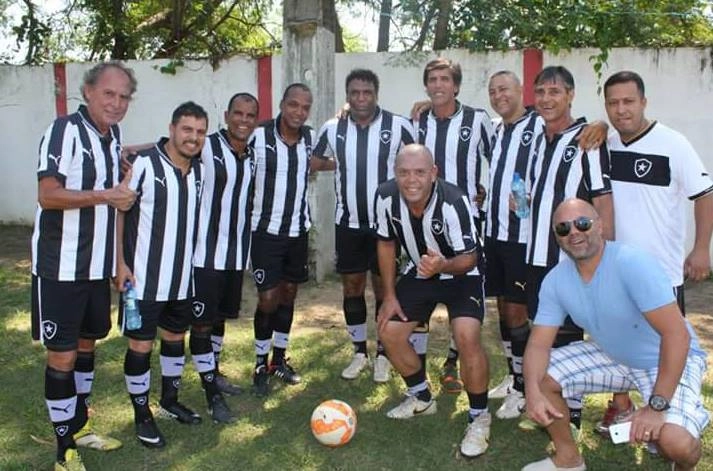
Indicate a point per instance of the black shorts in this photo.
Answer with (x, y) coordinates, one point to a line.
(218, 295)
(462, 295)
(505, 272)
(535, 277)
(278, 258)
(356, 250)
(173, 316)
(680, 298)
(65, 311)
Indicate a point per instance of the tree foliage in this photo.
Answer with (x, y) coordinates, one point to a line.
(504, 24)
(125, 29)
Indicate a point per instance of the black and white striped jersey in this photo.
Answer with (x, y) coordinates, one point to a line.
(160, 229)
(513, 146)
(446, 225)
(365, 158)
(561, 170)
(77, 244)
(281, 178)
(459, 144)
(223, 241)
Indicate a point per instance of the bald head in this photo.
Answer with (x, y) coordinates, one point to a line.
(414, 151)
(573, 208)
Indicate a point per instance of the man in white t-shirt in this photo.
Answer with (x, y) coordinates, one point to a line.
(654, 171)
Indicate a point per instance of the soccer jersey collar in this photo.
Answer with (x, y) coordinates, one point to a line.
(90, 124)
(459, 109)
(161, 148)
(377, 115)
(525, 116)
(223, 134)
(276, 123)
(640, 136)
(577, 123)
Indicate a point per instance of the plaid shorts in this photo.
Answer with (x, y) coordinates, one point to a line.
(583, 368)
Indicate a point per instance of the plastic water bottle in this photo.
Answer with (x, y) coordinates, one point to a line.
(522, 208)
(131, 308)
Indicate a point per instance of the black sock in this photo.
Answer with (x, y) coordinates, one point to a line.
(380, 350)
(204, 362)
(173, 360)
(281, 326)
(417, 385)
(263, 336)
(478, 403)
(355, 317)
(506, 340)
(137, 372)
(83, 379)
(519, 336)
(61, 400)
(217, 337)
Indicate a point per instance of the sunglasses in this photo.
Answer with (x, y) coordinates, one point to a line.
(582, 223)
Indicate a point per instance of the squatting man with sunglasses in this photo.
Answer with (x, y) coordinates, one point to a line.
(653, 348)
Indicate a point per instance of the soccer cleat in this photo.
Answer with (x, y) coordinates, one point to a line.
(285, 372)
(261, 381)
(477, 434)
(612, 416)
(358, 364)
(503, 389)
(219, 410)
(149, 435)
(512, 407)
(179, 412)
(449, 378)
(225, 386)
(72, 462)
(548, 465)
(382, 369)
(412, 406)
(87, 438)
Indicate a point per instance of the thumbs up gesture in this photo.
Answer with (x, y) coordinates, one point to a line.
(430, 264)
(121, 196)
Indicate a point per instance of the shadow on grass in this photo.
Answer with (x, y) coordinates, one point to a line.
(274, 433)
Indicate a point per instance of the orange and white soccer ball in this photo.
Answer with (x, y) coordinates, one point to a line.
(333, 423)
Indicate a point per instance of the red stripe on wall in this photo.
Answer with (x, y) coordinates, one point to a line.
(264, 87)
(531, 66)
(60, 89)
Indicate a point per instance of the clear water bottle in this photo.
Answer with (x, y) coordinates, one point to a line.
(131, 308)
(522, 207)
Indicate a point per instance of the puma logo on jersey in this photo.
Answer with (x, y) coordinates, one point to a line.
(340, 136)
(219, 159)
(161, 181)
(270, 148)
(521, 284)
(88, 153)
(55, 158)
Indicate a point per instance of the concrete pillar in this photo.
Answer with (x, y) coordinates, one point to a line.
(308, 57)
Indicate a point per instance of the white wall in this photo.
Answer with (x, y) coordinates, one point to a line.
(679, 88)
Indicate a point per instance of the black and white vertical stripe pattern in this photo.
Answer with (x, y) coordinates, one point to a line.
(365, 159)
(458, 143)
(446, 225)
(160, 229)
(223, 241)
(281, 178)
(561, 170)
(77, 244)
(513, 146)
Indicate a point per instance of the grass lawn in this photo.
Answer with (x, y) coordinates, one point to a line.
(274, 433)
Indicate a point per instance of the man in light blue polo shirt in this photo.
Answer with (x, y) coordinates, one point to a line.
(623, 299)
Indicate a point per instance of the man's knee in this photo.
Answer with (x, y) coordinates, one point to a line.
(288, 293)
(353, 284)
(61, 361)
(86, 345)
(268, 300)
(396, 333)
(677, 444)
(466, 334)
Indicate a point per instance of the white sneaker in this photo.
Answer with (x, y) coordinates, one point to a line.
(477, 434)
(548, 465)
(412, 406)
(512, 406)
(382, 369)
(501, 390)
(358, 364)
